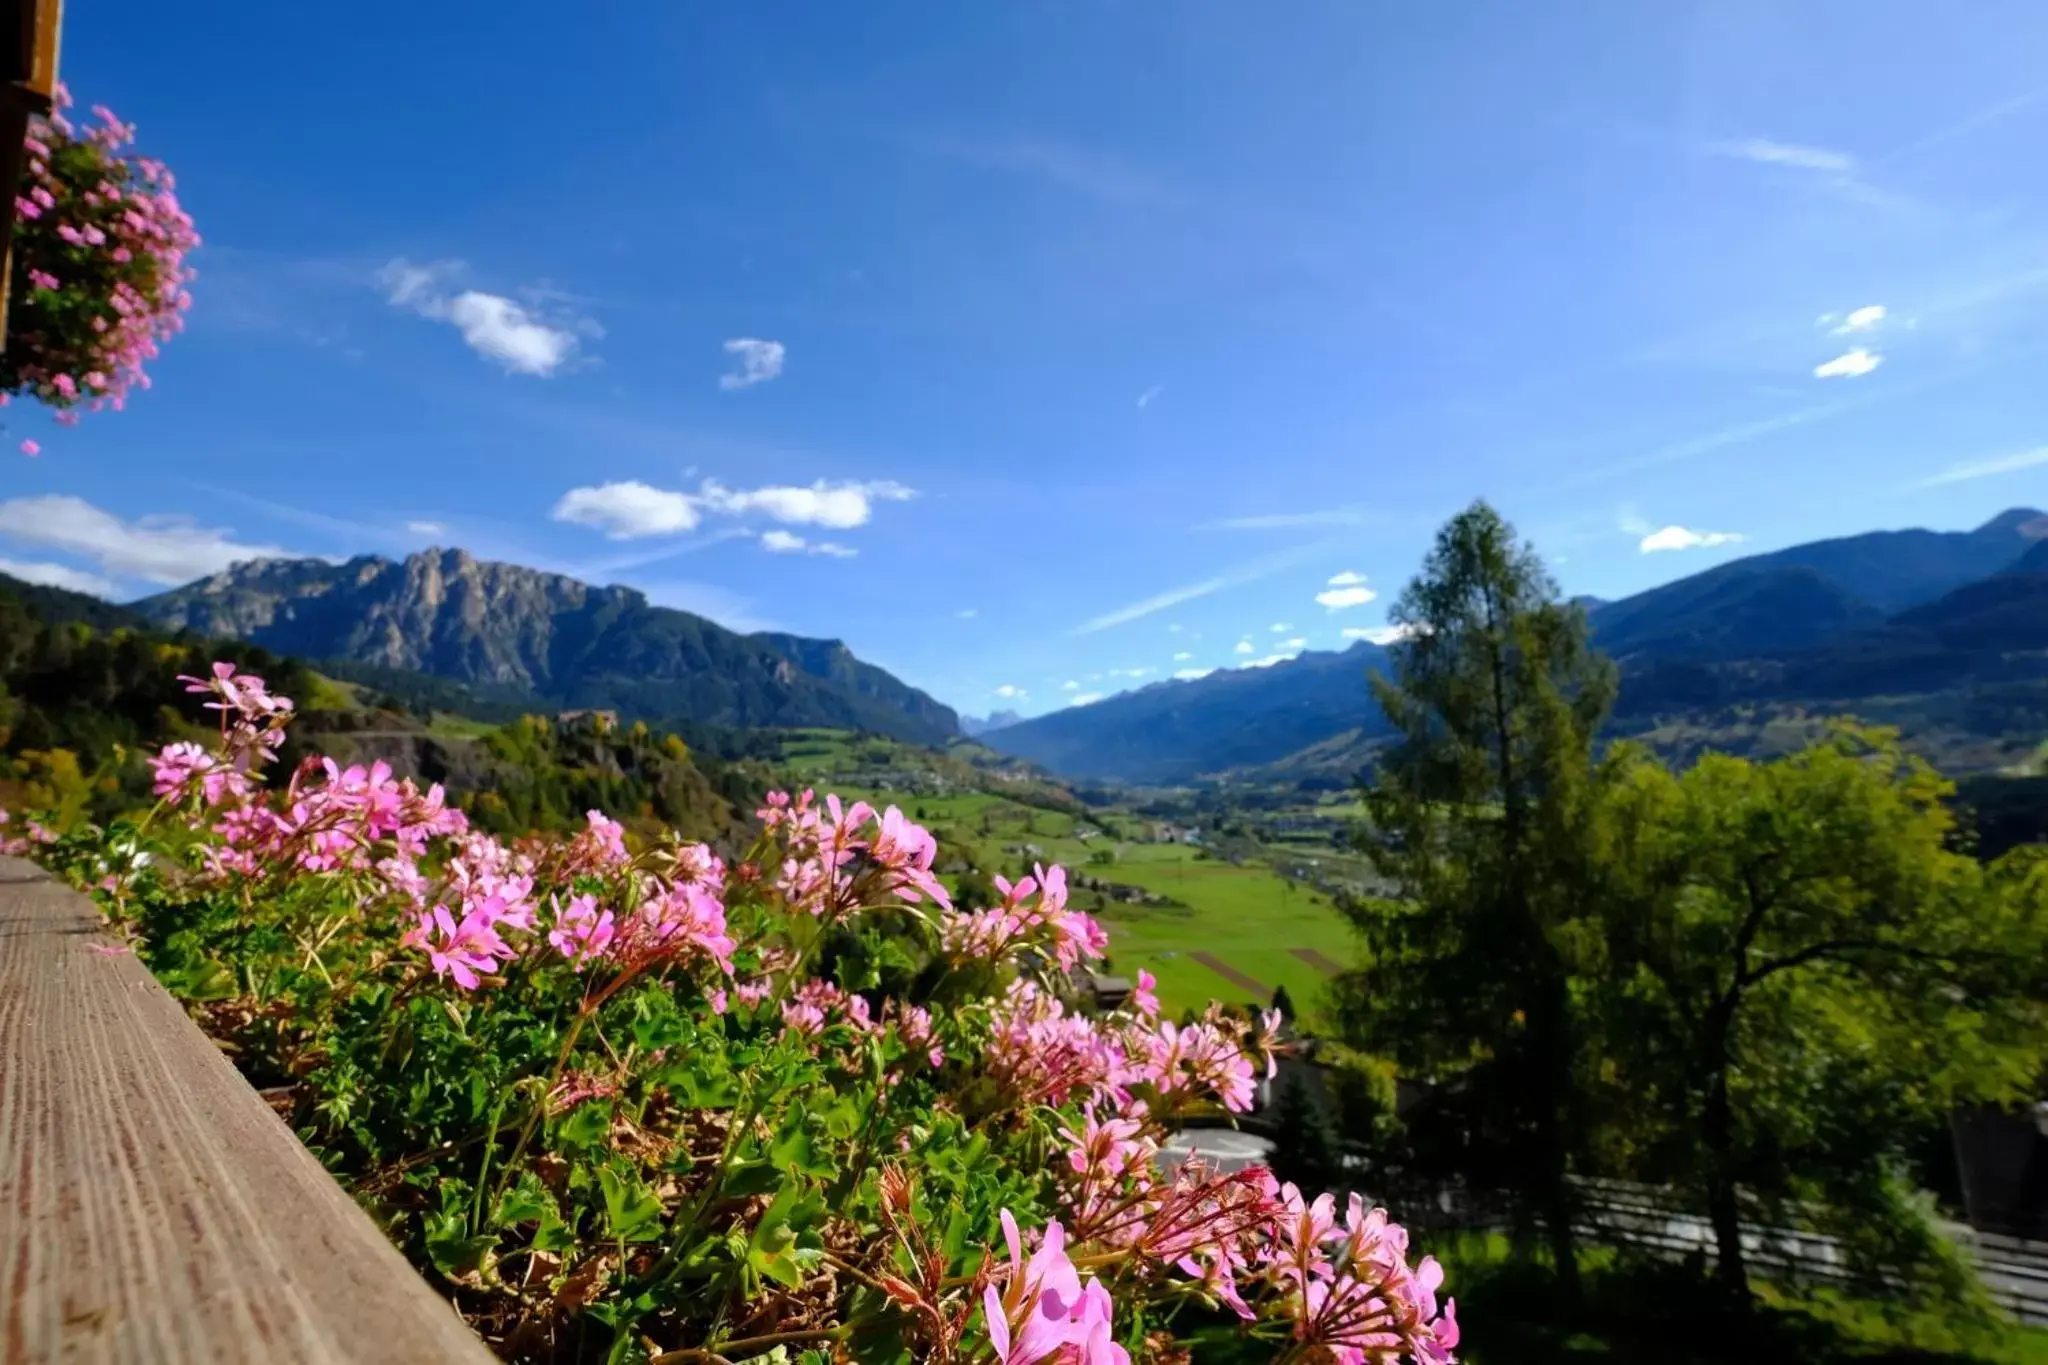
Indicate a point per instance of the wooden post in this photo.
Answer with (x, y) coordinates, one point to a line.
(29, 30)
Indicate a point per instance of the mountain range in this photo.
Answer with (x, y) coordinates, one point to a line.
(1939, 631)
(520, 633)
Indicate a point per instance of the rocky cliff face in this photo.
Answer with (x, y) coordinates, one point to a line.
(447, 613)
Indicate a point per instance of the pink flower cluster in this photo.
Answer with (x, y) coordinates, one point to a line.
(1346, 1289)
(101, 243)
(1043, 1312)
(18, 844)
(818, 1003)
(1043, 1054)
(1033, 915)
(840, 859)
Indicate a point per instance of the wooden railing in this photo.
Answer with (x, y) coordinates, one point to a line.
(152, 1207)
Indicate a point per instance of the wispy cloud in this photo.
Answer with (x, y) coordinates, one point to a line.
(1070, 686)
(966, 614)
(1011, 692)
(1145, 398)
(760, 361)
(1182, 656)
(1191, 674)
(161, 549)
(1281, 627)
(1852, 364)
(1282, 521)
(1233, 577)
(1079, 170)
(1984, 469)
(426, 528)
(494, 326)
(1683, 538)
(1770, 152)
(1084, 699)
(730, 609)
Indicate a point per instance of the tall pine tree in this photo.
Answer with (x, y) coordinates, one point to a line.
(1480, 817)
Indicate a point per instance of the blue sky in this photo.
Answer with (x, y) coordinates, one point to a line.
(1041, 350)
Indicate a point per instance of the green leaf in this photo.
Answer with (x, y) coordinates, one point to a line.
(631, 1211)
(453, 1253)
(746, 1178)
(527, 1202)
(795, 1151)
(843, 1119)
(588, 1125)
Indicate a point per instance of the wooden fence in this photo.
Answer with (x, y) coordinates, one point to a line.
(152, 1207)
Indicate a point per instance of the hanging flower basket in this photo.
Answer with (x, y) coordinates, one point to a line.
(99, 274)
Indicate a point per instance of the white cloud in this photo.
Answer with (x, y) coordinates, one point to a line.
(1129, 672)
(1682, 538)
(1182, 657)
(839, 506)
(1246, 647)
(760, 361)
(425, 528)
(1190, 674)
(626, 510)
(1379, 635)
(500, 329)
(966, 614)
(1336, 599)
(1849, 365)
(1347, 579)
(1175, 628)
(57, 576)
(160, 549)
(779, 542)
(1070, 686)
(1862, 319)
(631, 509)
(1298, 642)
(1272, 659)
(1084, 699)
(1767, 152)
(1280, 627)
(1984, 469)
(1011, 692)
(494, 326)
(1145, 398)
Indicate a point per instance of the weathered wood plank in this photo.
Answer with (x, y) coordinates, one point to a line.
(152, 1207)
